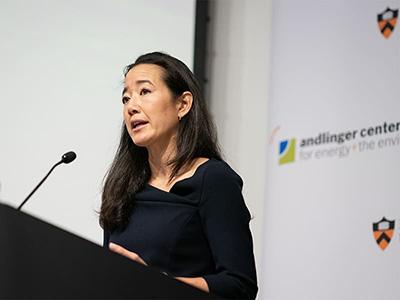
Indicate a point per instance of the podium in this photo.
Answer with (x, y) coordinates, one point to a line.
(41, 261)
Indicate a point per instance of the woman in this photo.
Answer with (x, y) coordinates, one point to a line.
(169, 201)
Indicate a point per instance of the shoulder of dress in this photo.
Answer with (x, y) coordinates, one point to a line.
(220, 171)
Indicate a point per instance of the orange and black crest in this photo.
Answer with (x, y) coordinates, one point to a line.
(387, 21)
(383, 232)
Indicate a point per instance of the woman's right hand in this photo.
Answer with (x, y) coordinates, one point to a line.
(128, 254)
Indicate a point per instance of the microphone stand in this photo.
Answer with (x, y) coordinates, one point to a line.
(40, 183)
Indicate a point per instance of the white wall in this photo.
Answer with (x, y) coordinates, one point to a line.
(61, 81)
(239, 55)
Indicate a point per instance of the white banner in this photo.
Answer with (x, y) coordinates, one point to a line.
(333, 200)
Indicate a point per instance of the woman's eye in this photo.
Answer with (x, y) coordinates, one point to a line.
(144, 92)
(125, 100)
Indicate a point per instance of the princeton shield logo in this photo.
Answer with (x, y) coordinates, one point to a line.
(387, 21)
(383, 232)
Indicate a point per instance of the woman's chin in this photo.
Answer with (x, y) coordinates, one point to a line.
(141, 142)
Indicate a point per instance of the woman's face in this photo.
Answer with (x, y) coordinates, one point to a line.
(150, 110)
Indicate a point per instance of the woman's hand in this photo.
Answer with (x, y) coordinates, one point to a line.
(129, 254)
(197, 282)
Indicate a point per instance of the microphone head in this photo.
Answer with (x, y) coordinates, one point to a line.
(68, 157)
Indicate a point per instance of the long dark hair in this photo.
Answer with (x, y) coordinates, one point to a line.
(130, 170)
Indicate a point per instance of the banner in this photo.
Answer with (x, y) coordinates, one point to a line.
(332, 219)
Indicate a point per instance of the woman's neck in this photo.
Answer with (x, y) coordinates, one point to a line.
(159, 156)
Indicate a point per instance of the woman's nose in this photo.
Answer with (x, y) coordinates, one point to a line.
(133, 107)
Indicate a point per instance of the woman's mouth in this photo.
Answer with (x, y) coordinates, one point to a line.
(138, 124)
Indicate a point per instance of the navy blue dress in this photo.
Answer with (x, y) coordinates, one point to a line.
(200, 228)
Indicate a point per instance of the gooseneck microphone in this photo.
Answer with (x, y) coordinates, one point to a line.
(65, 159)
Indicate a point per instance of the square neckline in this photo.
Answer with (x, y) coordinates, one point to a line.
(179, 181)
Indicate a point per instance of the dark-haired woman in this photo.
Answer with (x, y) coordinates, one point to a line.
(169, 201)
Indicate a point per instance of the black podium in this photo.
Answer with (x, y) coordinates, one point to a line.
(41, 261)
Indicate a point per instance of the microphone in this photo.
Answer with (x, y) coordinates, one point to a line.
(65, 159)
(68, 157)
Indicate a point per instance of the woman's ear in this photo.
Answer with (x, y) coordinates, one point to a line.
(185, 102)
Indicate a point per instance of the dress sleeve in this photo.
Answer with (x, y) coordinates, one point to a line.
(225, 219)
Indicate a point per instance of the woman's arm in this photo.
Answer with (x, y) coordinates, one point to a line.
(225, 220)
